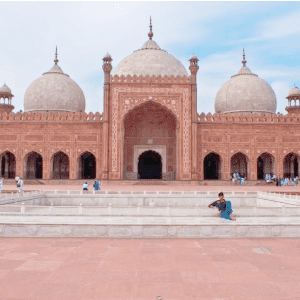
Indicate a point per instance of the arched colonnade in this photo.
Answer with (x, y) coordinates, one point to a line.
(213, 166)
(33, 163)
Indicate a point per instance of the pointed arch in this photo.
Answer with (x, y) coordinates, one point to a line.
(291, 165)
(33, 165)
(212, 166)
(150, 165)
(60, 165)
(150, 124)
(239, 164)
(7, 165)
(265, 165)
(87, 165)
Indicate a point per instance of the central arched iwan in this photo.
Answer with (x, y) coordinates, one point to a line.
(150, 126)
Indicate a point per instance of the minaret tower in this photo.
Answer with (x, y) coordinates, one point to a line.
(5, 99)
(107, 67)
(194, 69)
(293, 101)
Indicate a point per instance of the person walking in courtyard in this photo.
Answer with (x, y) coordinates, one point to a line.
(225, 210)
(20, 184)
(97, 185)
(85, 186)
(1, 184)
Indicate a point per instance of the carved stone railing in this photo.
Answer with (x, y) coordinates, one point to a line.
(248, 118)
(51, 117)
(151, 79)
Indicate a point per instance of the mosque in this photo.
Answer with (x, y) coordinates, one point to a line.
(150, 128)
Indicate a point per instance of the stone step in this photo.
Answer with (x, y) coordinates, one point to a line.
(149, 227)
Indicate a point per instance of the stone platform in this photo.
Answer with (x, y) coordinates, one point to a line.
(147, 215)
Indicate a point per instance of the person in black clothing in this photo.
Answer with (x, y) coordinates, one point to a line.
(225, 210)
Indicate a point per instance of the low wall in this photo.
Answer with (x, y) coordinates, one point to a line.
(144, 231)
(177, 199)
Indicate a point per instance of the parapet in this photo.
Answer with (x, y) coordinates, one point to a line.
(250, 118)
(50, 117)
(151, 79)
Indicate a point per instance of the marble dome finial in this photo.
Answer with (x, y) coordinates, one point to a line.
(150, 34)
(56, 60)
(244, 59)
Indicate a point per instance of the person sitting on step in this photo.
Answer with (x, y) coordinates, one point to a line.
(225, 210)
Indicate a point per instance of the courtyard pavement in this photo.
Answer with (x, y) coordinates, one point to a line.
(175, 269)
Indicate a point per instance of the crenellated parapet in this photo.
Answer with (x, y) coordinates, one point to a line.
(50, 117)
(151, 79)
(250, 118)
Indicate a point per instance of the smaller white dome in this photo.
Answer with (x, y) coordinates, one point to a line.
(54, 91)
(245, 92)
(294, 91)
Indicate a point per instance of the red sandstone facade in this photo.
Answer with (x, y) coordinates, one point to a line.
(116, 137)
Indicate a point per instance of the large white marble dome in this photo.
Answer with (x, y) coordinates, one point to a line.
(150, 60)
(54, 91)
(245, 92)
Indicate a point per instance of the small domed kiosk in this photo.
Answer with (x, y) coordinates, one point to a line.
(293, 100)
(6, 99)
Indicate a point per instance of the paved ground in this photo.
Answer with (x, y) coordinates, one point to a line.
(270, 188)
(177, 269)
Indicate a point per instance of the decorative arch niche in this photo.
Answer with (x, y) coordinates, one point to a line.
(150, 126)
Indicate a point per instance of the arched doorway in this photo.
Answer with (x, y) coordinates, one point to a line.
(60, 166)
(150, 126)
(8, 165)
(212, 166)
(33, 166)
(239, 163)
(290, 165)
(265, 165)
(150, 165)
(87, 166)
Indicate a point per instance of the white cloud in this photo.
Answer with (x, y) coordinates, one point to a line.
(275, 28)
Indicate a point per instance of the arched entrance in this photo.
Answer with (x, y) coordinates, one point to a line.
(33, 166)
(290, 165)
(8, 165)
(239, 163)
(212, 166)
(87, 166)
(265, 165)
(60, 166)
(150, 165)
(150, 126)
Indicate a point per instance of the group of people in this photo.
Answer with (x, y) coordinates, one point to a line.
(272, 178)
(288, 181)
(96, 185)
(236, 177)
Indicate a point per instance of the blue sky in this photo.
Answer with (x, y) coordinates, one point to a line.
(215, 31)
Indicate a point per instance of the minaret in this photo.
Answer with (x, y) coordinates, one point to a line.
(293, 98)
(6, 99)
(107, 67)
(194, 115)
